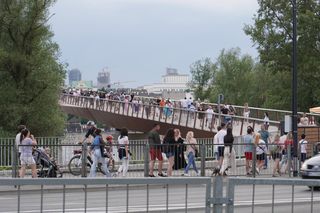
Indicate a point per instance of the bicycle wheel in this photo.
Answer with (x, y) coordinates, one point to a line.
(75, 165)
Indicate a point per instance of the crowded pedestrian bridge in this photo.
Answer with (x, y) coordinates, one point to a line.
(141, 114)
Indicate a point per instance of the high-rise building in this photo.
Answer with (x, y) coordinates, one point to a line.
(74, 75)
(103, 79)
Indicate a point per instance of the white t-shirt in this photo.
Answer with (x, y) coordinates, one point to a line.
(261, 147)
(18, 142)
(123, 141)
(215, 143)
(184, 103)
(303, 145)
(209, 113)
(220, 137)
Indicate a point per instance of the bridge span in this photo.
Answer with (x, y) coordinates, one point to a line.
(141, 117)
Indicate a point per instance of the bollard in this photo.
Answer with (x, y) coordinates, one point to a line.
(146, 160)
(203, 159)
(84, 159)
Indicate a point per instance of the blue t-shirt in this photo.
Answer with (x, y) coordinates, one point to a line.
(264, 136)
(248, 139)
(96, 142)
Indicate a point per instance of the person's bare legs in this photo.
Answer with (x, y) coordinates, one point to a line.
(220, 161)
(151, 167)
(22, 171)
(34, 171)
(276, 166)
(170, 165)
(160, 166)
(248, 166)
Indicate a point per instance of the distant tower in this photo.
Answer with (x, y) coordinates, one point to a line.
(74, 75)
(103, 78)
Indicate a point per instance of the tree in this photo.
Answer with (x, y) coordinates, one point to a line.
(202, 72)
(30, 70)
(234, 77)
(272, 35)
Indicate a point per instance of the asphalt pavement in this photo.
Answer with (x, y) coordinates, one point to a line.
(155, 199)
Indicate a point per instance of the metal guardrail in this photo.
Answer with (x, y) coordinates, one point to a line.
(211, 198)
(120, 184)
(139, 161)
(171, 115)
(233, 183)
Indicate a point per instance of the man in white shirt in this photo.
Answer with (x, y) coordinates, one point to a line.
(19, 148)
(303, 148)
(184, 103)
(220, 142)
(209, 116)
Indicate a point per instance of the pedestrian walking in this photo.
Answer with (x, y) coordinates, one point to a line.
(191, 143)
(98, 155)
(123, 151)
(229, 154)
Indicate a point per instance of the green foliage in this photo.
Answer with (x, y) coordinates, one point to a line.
(234, 77)
(267, 83)
(272, 34)
(29, 68)
(202, 72)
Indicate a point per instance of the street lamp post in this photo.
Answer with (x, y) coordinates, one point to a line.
(294, 88)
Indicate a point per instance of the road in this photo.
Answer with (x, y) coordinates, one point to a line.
(116, 202)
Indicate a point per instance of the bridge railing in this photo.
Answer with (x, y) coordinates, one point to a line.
(255, 112)
(69, 158)
(175, 116)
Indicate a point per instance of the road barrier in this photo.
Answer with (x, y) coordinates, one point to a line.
(157, 195)
(168, 191)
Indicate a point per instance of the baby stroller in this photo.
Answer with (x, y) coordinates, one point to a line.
(46, 166)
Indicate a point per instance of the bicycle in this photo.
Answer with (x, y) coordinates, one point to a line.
(75, 164)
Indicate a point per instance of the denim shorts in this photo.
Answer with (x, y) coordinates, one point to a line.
(169, 154)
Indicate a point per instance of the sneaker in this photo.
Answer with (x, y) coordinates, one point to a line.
(198, 174)
(185, 174)
(162, 175)
(257, 171)
(151, 175)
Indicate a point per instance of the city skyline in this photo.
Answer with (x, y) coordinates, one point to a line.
(141, 38)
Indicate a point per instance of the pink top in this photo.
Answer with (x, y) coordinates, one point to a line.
(191, 142)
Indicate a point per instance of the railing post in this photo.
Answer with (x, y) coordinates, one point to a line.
(289, 159)
(14, 157)
(180, 114)
(203, 159)
(146, 160)
(84, 159)
(254, 160)
(218, 194)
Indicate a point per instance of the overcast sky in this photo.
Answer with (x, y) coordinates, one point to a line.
(138, 39)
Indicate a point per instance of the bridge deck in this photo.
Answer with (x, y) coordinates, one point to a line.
(141, 117)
